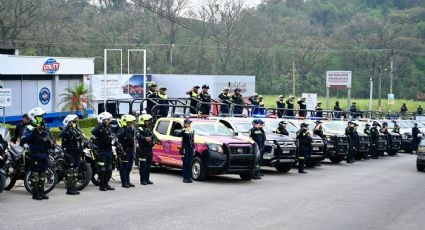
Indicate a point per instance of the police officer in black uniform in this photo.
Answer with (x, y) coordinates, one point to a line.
(337, 108)
(290, 105)
(303, 107)
(259, 137)
(39, 140)
(368, 133)
(319, 109)
(353, 136)
(126, 138)
(237, 99)
(384, 130)
(318, 130)
(396, 128)
(20, 129)
(205, 97)
(254, 100)
(419, 110)
(194, 98)
(225, 99)
(146, 142)
(415, 135)
(374, 136)
(282, 129)
(304, 142)
(72, 143)
(280, 104)
(152, 94)
(104, 138)
(162, 94)
(187, 149)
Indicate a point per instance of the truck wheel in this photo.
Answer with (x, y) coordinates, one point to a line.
(336, 159)
(392, 152)
(283, 168)
(420, 167)
(198, 169)
(247, 176)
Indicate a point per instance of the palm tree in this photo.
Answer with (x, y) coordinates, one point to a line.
(76, 98)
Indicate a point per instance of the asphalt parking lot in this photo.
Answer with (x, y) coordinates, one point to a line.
(378, 194)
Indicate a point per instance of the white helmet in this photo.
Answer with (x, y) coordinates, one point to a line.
(36, 112)
(69, 118)
(103, 116)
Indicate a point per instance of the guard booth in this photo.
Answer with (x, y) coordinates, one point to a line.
(39, 81)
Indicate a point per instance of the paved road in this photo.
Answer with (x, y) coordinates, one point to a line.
(378, 194)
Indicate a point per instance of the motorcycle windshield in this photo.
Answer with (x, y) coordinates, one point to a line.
(4, 132)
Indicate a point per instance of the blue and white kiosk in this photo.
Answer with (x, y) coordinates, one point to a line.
(38, 82)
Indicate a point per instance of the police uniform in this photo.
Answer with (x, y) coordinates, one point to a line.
(237, 100)
(318, 131)
(374, 136)
(304, 145)
(72, 143)
(205, 97)
(194, 98)
(415, 135)
(319, 110)
(225, 99)
(151, 94)
(280, 104)
(290, 105)
(255, 102)
(126, 139)
(39, 140)
(258, 136)
(104, 137)
(163, 110)
(282, 130)
(368, 133)
(303, 107)
(353, 136)
(187, 151)
(145, 150)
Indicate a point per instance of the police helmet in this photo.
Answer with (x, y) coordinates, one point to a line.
(69, 118)
(103, 117)
(304, 125)
(205, 87)
(187, 121)
(375, 123)
(283, 123)
(281, 96)
(163, 88)
(385, 124)
(152, 84)
(36, 115)
(125, 119)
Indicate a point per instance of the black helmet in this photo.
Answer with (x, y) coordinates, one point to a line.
(282, 123)
(385, 124)
(205, 87)
(187, 121)
(318, 122)
(237, 90)
(304, 125)
(375, 123)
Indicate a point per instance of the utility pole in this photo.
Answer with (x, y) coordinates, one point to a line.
(293, 78)
(379, 90)
(371, 94)
(391, 73)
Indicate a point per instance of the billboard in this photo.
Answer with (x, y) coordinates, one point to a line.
(310, 100)
(338, 79)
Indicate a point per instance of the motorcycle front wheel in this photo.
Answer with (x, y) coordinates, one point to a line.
(49, 185)
(85, 174)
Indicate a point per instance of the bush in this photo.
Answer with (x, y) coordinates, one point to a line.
(88, 122)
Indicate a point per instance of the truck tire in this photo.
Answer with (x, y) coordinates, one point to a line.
(392, 152)
(198, 169)
(420, 167)
(246, 176)
(336, 159)
(283, 168)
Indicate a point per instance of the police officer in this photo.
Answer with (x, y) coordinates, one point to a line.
(20, 129)
(206, 98)
(152, 94)
(368, 133)
(354, 111)
(40, 140)
(396, 128)
(384, 130)
(282, 129)
(72, 143)
(319, 109)
(126, 139)
(374, 136)
(187, 149)
(303, 106)
(254, 102)
(337, 108)
(280, 104)
(419, 110)
(237, 99)
(146, 142)
(415, 135)
(225, 99)
(104, 138)
(304, 142)
(261, 109)
(290, 105)
(352, 134)
(318, 130)
(162, 94)
(194, 98)
(257, 134)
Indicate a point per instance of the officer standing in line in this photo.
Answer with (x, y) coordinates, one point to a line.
(396, 128)
(259, 137)
(318, 130)
(353, 140)
(146, 142)
(126, 138)
(152, 94)
(261, 109)
(205, 97)
(374, 135)
(225, 99)
(237, 99)
(280, 104)
(419, 110)
(319, 109)
(255, 102)
(416, 139)
(104, 138)
(303, 107)
(20, 129)
(282, 129)
(338, 114)
(72, 143)
(194, 98)
(162, 94)
(290, 105)
(368, 133)
(304, 142)
(384, 130)
(40, 140)
(187, 150)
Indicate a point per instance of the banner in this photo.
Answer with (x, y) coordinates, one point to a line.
(310, 100)
(5, 97)
(338, 79)
(391, 99)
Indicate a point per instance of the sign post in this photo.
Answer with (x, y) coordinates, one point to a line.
(338, 80)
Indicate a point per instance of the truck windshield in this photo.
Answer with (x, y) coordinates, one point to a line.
(211, 129)
(243, 127)
(333, 126)
(275, 124)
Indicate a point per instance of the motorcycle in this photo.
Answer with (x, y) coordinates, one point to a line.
(4, 135)
(116, 151)
(17, 167)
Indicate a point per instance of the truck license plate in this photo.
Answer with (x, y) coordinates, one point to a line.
(315, 148)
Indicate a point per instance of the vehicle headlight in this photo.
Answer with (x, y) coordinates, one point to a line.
(329, 139)
(215, 147)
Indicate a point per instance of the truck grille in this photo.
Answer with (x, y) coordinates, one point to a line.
(342, 140)
(239, 150)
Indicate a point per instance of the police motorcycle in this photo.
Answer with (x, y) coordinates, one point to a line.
(17, 166)
(4, 135)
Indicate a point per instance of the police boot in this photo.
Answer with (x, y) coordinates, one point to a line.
(41, 183)
(35, 191)
(102, 180)
(107, 178)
